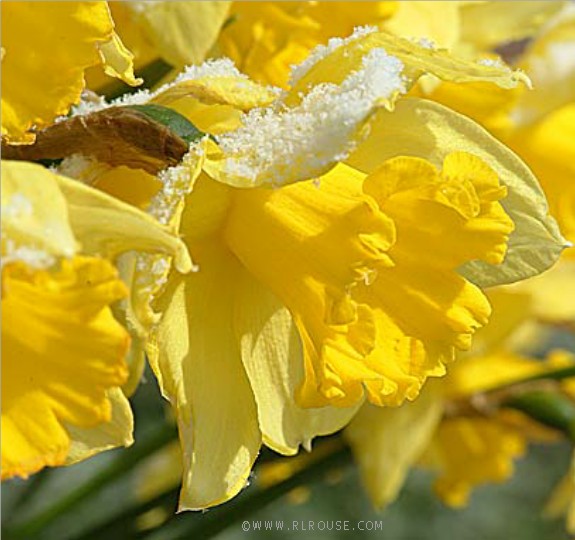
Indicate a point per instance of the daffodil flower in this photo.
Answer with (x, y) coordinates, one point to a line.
(73, 36)
(63, 351)
(479, 445)
(266, 39)
(466, 448)
(339, 250)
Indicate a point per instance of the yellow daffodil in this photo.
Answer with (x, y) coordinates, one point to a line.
(73, 36)
(538, 125)
(267, 38)
(467, 448)
(63, 351)
(264, 39)
(475, 450)
(307, 220)
(455, 427)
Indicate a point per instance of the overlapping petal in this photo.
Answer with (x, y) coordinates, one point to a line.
(181, 32)
(272, 353)
(197, 359)
(47, 318)
(387, 442)
(489, 24)
(549, 150)
(64, 352)
(34, 214)
(117, 431)
(549, 62)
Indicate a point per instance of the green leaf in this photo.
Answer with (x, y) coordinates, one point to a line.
(173, 120)
(549, 408)
(125, 462)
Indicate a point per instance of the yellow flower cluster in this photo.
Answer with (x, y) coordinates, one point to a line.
(298, 225)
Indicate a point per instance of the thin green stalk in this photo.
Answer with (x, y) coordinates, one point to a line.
(554, 375)
(125, 462)
(29, 491)
(123, 524)
(551, 409)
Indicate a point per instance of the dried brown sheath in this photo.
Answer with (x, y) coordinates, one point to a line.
(117, 136)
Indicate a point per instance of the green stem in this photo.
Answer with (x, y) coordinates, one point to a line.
(208, 525)
(125, 462)
(555, 375)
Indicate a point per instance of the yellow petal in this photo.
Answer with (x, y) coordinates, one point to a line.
(340, 18)
(118, 431)
(34, 212)
(482, 373)
(132, 35)
(123, 312)
(511, 308)
(160, 472)
(167, 206)
(237, 91)
(264, 39)
(134, 186)
(562, 500)
(485, 103)
(335, 66)
(182, 32)
(329, 108)
(68, 34)
(106, 226)
(321, 128)
(196, 357)
(273, 358)
(118, 61)
(387, 443)
(536, 242)
(212, 101)
(62, 351)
